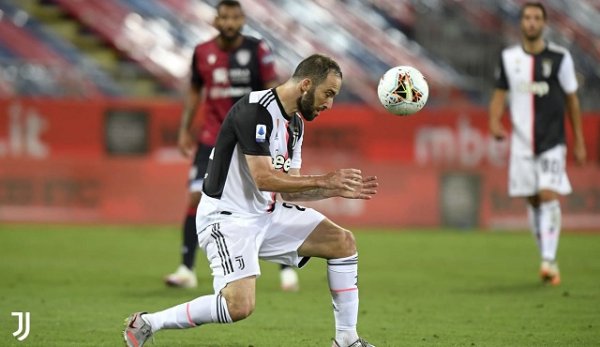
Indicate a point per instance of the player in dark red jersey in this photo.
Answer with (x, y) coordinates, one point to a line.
(538, 77)
(223, 70)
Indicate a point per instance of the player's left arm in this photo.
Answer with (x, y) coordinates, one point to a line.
(568, 82)
(574, 112)
(366, 191)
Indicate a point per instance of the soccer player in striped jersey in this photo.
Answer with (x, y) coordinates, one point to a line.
(538, 77)
(258, 154)
(223, 69)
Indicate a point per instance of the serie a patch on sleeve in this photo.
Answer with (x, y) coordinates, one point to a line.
(261, 133)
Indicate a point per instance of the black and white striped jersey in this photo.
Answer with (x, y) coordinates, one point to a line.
(537, 85)
(255, 125)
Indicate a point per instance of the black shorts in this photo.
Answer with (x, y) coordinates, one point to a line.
(199, 166)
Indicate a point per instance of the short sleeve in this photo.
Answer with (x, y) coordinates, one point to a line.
(196, 78)
(253, 128)
(566, 74)
(500, 80)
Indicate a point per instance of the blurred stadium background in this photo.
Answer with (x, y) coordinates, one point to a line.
(90, 98)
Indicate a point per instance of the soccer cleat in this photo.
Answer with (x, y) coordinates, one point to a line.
(182, 278)
(137, 331)
(549, 272)
(358, 343)
(289, 280)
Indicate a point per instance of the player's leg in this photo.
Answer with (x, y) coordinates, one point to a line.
(337, 245)
(522, 182)
(231, 248)
(295, 234)
(533, 215)
(235, 302)
(185, 276)
(550, 225)
(553, 182)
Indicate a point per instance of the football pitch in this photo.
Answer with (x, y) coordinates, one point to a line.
(417, 288)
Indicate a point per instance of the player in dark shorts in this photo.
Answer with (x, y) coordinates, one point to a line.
(223, 70)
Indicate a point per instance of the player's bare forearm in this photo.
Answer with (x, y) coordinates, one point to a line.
(496, 111)
(268, 179)
(190, 107)
(574, 113)
(365, 191)
(309, 195)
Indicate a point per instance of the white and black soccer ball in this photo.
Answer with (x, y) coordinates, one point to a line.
(403, 90)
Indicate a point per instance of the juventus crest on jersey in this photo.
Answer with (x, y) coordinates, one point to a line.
(255, 125)
(537, 84)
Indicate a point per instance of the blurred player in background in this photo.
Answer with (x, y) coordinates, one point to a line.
(539, 78)
(258, 154)
(224, 69)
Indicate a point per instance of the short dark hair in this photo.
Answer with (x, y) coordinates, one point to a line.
(228, 3)
(317, 67)
(533, 4)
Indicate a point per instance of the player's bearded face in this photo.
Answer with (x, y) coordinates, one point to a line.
(532, 24)
(306, 105)
(229, 22)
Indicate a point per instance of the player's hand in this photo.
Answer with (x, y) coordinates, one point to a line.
(497, 130)
(186, 143)
(579, 152)
(344, 180)
(367, 189)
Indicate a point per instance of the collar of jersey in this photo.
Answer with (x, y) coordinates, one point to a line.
(283, 113)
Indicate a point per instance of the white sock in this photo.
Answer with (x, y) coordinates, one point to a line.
(342, 274)
(550, 228)
(202, 310)
(534, 225)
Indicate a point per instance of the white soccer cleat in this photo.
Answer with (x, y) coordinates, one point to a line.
(289, 280)
(182, 278)
(136, 331)
(358, 343)
(549, 272)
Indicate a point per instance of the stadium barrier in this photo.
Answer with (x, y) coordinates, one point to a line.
(115, 161)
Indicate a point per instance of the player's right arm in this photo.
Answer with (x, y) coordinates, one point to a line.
(185, 140)
(496, 111)
(267, 178)
(497, 103)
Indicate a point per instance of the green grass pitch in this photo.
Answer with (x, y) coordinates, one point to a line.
(418, 288)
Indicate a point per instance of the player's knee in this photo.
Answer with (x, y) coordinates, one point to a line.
(547, 195)
(346, 244)
(240, 306)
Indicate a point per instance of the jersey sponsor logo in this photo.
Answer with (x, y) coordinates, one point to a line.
(228, 92)
(239, 75)
(261, 133)
(220, 76)
(243, 57)
(281, 163)
(538, 88)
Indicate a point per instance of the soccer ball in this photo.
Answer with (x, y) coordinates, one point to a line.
(403, 90)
